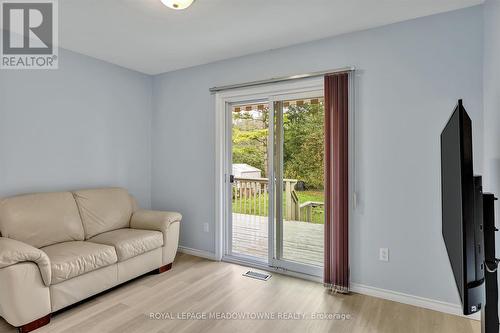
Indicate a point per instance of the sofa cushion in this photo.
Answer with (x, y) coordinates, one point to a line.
(104, 210)
(130, 243)
(41, 219)
(71, 259)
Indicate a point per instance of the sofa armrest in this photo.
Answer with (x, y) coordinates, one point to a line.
(13, 252)
(167, 223)
(154, 220)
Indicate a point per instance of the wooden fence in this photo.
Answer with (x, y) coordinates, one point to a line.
(251, 196)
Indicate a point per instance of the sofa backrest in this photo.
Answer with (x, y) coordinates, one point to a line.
(41, 219)
(104, 210)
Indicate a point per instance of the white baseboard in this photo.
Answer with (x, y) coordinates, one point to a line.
(421, 302)
(197, 253)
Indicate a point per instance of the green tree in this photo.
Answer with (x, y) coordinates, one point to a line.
(303, 153)
(250, 133)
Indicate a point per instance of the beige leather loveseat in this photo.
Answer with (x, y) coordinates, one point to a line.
(59, 248)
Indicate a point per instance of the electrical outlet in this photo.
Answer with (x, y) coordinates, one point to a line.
(206, 227)
(383, 254)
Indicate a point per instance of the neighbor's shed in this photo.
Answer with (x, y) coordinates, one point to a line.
(243, 170)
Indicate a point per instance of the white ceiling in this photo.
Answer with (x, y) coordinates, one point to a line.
(146, 36)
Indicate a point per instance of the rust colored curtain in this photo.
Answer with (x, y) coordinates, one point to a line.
(336, 257)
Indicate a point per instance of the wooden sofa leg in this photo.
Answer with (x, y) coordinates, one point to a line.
(163, 269)
(34, 324)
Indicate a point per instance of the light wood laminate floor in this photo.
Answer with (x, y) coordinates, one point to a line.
(197, 285)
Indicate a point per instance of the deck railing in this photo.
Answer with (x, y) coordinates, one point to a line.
(251, 196)
(306, 209)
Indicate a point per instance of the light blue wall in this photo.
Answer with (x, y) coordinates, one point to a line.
(410, 76)
(491, 74)
(86, 124)
(492, 96)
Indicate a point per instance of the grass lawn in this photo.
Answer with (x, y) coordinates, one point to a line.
(250, 205)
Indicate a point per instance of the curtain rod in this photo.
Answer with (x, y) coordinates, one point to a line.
(281, 79)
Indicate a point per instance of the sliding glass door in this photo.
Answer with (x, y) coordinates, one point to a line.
(299, 186)
(249, 184)
(275, 186)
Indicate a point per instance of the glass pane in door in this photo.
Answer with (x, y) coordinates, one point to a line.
(303, 210)
(250, 187)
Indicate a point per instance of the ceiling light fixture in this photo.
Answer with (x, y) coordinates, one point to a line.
(177, 4)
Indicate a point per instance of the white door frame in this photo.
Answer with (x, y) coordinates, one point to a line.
(222, 99)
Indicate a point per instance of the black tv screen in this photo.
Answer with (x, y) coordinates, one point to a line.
(461, 228)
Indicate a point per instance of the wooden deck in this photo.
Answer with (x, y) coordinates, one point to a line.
(303, 241)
